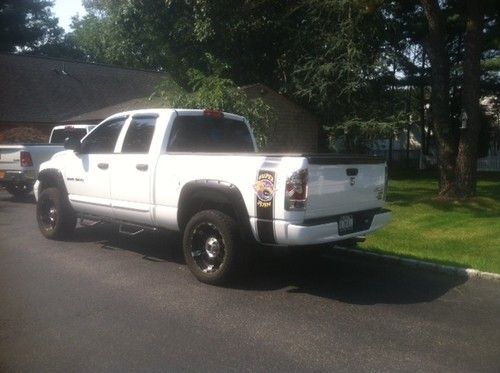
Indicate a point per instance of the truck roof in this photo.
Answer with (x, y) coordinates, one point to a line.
(182, 111)
(64, 126)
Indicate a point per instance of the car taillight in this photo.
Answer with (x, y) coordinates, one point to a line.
(296, 191)
(26, 160)
(213, 113)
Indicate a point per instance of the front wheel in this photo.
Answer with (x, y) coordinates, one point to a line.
(56, 219)
(212, 246)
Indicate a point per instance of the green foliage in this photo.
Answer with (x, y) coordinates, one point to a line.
(217, 93)
(331, 69)
(27, 24)
(357, 133)
(355, 64)
(23, 135)
(491, 64)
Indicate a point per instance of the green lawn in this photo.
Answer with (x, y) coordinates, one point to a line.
(465, 234)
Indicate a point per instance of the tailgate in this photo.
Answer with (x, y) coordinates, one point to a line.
(344, 185)
(10, 157)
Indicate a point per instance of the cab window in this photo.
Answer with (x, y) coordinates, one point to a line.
(211, 135)
(139, 135)
(102, 139)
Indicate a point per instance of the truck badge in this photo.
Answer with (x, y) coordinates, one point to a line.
(264, 189)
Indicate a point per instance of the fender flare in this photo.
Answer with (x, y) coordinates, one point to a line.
(215, 191)
(51, 177)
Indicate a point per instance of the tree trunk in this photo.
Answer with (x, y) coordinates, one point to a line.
(422, 105)
(468, 146)
(440, 71)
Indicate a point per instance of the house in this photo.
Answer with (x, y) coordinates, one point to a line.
(296, 129)
(42, 92)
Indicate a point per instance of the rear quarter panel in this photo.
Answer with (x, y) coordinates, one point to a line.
(174, 171)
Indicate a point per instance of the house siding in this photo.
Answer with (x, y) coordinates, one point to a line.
(296, 129)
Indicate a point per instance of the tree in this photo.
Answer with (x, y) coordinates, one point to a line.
(362, 66)
(217, 93)
(440, 66)
(27, 24)
(468, 146)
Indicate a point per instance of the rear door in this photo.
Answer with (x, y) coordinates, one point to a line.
(133, 170)
(88, 173)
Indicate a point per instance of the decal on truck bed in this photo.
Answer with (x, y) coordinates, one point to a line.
(264, 200)
(264, 189)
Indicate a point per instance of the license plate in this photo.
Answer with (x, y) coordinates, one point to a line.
(346, 224)
(2, 174)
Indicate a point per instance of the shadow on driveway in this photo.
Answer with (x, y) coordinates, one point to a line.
(5, 197)
(341, 277)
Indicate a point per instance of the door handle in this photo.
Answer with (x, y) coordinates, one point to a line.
(103, 166)
(141, 167)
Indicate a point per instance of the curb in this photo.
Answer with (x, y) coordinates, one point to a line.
(414, 263)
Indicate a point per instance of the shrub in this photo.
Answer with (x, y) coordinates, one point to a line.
(23, 135)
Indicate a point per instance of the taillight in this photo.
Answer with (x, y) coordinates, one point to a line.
(26, 160)
(296, 191)
(213, 113)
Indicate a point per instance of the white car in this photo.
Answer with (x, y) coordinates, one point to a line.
(199, 172)
(19, 164)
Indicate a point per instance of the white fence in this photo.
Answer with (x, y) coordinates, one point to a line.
(397, 155)
(489, 163)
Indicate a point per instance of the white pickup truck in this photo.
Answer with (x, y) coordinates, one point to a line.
(19, 164)
(198, 172)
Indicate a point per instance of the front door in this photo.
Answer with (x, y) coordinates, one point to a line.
(88, 172)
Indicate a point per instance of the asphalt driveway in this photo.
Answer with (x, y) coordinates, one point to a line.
(105, 302)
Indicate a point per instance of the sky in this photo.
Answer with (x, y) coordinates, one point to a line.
(65, 9)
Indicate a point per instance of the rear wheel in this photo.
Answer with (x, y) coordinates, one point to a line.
(19, 190)
(56, 219)
(212, 246)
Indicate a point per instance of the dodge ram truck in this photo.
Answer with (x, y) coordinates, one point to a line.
(199, 172)
(19, 163)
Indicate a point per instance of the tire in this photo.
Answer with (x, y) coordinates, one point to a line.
(19, 190)
(212, 247)
(56, 219)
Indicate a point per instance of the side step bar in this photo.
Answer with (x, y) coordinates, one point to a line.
(130, 230)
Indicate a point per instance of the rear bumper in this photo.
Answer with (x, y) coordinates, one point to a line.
(18, 177)
(290, 234)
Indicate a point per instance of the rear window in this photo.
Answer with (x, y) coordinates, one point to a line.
(58, 136)
(209, 135)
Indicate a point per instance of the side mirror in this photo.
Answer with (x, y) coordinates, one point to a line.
(73, 143)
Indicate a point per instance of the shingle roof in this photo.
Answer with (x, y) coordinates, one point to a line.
(38, 89)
